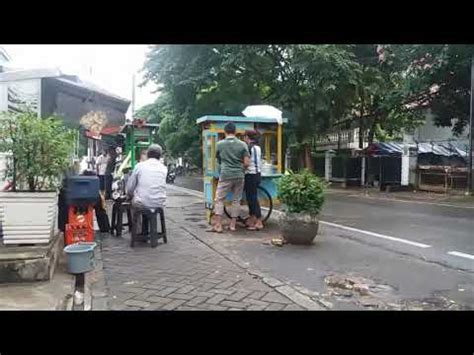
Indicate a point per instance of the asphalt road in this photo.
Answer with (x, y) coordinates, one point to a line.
(408, 245)
(444, 232)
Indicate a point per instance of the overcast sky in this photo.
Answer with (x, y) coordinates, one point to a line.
(109, 66)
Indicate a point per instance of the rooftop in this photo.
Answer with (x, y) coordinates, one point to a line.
(5, 54)
(56, 74)
(217, 118)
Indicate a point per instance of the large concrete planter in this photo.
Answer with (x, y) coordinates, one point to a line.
(28, 217)
(298, 228)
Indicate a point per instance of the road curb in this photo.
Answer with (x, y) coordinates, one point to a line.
(95, 289)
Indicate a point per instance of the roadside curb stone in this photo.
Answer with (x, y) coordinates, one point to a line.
(299, 298)
(96, 289)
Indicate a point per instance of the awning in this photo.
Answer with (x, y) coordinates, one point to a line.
(106, 131)
(381, 149)
(392, 148)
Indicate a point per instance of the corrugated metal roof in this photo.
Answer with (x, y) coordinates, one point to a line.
(445, 149)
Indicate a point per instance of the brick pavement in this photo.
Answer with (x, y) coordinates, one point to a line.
(184, 274)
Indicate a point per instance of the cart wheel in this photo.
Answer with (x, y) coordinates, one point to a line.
(270, 203)
(266, 216)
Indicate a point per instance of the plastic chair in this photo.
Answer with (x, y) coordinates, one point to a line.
(152, 215)
(118, 208)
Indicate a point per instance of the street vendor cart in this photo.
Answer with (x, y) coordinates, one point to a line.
(270, 129)
(138, 136)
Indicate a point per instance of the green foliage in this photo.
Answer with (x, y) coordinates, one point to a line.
(150, 113)
(41, 149)
(301, 192)
(438, 77)
(384, 90)
(380, 106)
(312, 84)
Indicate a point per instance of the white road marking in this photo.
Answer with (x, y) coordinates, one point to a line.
(377, 235)
(462, 255)
(335, 225)
(407, 201)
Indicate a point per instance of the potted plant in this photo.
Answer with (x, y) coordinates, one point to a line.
(302, 196)
(40, 150)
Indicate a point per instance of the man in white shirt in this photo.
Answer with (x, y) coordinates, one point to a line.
(101, 166)
(147, 184)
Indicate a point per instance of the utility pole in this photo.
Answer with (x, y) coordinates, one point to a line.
(133, 95)
(469, 176)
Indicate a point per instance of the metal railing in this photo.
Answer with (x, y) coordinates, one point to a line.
(348, 138)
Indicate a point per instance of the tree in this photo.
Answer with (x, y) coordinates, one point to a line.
(437, 77)
(41, 150)
(382, 106)
(314, 84)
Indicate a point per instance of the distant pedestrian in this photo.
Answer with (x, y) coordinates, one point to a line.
(101, 166)
(233, 157)
(109, 171)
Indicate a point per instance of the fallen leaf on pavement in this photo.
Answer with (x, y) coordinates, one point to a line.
(277, 242)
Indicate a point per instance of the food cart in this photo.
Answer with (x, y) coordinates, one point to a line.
(270, 129)
(138, 136)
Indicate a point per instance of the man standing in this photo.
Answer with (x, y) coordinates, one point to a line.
(109, 171)
(233, 157)
(101, 166)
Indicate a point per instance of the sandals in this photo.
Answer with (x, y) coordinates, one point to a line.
(253, 228)
(214, 230)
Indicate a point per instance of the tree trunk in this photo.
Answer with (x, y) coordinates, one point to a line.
(371, 135)
(361, 136)
(31, 183)
(308, 161)
(301, 162)
(361, 125)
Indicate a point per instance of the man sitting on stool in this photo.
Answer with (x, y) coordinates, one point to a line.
(146, 186)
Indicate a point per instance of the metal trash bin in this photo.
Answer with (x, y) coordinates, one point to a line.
(80, 257)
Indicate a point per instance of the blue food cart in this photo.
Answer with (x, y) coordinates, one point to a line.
(270, 129)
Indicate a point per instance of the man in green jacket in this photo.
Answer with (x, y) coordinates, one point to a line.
(233, 157)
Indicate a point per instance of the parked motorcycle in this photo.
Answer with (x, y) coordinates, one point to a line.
(170, 177)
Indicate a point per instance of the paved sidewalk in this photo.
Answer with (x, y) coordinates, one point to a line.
(185, 274)
(55, 294)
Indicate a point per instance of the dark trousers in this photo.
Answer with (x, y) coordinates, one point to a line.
(102, 182)
(108, 186)
(250, 187)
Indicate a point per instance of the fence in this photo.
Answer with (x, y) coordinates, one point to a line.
(441, 179)
(319, 164)
(347, 169)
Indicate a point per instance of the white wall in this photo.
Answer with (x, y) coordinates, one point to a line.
(429, 132)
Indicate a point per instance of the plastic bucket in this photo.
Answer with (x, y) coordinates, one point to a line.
(80, 257)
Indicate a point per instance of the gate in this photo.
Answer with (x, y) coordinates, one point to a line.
(384, 170)
(347, 169)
